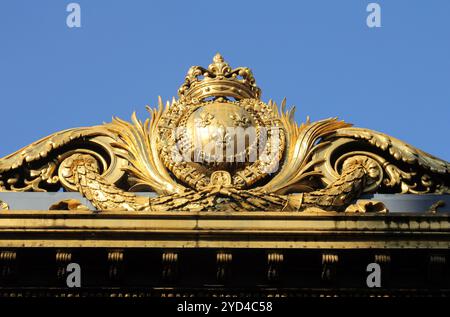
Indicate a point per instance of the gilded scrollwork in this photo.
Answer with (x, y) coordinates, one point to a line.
(36, 167)
(3, 205)
(218, 147)
(405, 168)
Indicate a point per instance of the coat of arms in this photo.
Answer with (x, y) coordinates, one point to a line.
(219, 147)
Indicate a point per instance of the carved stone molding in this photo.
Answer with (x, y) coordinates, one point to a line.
(437, 269)
(384, 260)
(224, 260)
(63, 258)
(274, 263)
(115, 260)
(170, 266)
(7, 263)
(270, 230)
(329, 267)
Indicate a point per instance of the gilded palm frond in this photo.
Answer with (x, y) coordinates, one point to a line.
(301, 142)
(139, 146)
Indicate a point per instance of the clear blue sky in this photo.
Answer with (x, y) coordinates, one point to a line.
(319, 54)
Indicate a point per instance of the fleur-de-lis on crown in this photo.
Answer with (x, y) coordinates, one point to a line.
(219, 80)
(219, 67)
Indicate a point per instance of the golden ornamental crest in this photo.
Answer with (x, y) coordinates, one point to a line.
(219, 147)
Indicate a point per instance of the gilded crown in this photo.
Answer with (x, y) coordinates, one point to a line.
(219, 80)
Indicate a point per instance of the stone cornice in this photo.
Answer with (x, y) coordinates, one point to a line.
(284, 230)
